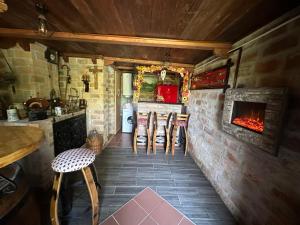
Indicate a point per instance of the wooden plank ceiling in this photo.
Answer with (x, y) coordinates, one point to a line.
(227, 20)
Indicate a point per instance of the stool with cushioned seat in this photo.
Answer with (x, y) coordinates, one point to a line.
(70, 161)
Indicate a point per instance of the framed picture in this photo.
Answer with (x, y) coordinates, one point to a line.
(213, 79)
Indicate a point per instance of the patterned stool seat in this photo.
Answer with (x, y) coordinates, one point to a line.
(73, 160)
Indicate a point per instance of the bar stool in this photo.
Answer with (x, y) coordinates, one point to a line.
(158, 120)
(70, 161)
(142, 119)
(179, 120)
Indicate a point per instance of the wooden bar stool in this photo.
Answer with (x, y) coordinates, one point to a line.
(70, 161)
(161, 120)
(142, 119)
(179, 120)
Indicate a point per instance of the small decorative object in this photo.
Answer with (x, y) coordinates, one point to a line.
(86, 81)
(22, 113)
(82, 103)
(58, 111)
(12, 114)
(51, 56)
(3, 6)
(94, 141)
(95, 71)
(163, 74)
(73, 100)
(212, 79)
(42, 21)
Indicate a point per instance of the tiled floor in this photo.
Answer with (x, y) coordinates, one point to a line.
(178, 180)
(121, 140)
(147, 208)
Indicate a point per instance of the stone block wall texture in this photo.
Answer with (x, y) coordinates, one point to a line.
(35, 77)
(99, 101)
(257, 187)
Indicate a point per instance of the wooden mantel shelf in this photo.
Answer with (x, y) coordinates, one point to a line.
(17, 142)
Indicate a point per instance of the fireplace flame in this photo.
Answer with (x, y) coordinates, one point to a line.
(252, 122)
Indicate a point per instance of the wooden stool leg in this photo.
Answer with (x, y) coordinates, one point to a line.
(88, 177)
(167, 140)
(148, 141)
(186, 141)
(154, 141)
(174, 133)
(135, 140)
(54, 198)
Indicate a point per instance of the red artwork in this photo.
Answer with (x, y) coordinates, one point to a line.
(211, 79)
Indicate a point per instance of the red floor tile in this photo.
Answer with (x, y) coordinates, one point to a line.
(148, 199)
(110, 221)
(185, 221)
(166, 215)
(136, 212)
(130, 214)
(148, 221)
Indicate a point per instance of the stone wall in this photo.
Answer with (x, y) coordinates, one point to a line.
(99, 101)
(257, 187)
(35, 77)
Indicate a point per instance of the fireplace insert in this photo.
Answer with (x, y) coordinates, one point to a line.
(250, 115)
(255, 115)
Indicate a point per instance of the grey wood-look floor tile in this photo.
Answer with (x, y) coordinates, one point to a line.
(178, 179)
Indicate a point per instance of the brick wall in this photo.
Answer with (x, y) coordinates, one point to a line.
(257, 187)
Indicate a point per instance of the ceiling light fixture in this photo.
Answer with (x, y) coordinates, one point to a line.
(42, 21)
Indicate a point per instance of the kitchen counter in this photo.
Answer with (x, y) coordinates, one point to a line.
(17, 142)
(52, 119)
(38, 164)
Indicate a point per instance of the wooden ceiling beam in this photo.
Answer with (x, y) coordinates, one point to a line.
(145, 62)
(94, 58)
(126, 68)
(117, 40)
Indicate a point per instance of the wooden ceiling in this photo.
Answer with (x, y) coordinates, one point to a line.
(227, 21)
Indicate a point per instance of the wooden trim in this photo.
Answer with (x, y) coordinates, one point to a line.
(127, 68)
(80, 55)
(146, 62)
(54, 199)
(117, 39)
(88, 177)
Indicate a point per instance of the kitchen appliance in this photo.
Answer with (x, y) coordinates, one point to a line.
(127, 118)
(167, 93)
(127, 84)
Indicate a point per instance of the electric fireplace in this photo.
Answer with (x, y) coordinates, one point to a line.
(250, 115)
(255, 116)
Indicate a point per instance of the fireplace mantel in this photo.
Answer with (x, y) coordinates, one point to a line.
(275, 101)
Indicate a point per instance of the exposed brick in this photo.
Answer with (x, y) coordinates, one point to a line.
(212, 96)
(248, 56)
(293, 61)
(275, 34)
(292, 143)
(232, 158)
(267, 66)
(281, 45)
